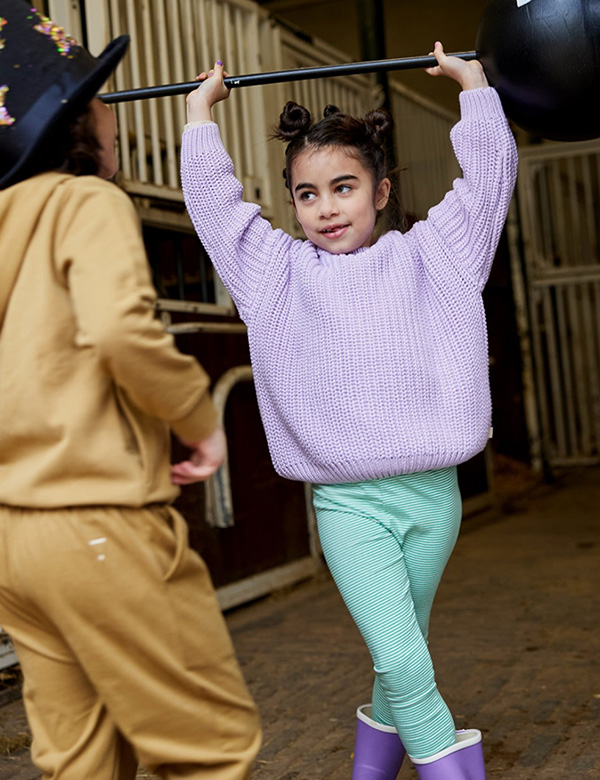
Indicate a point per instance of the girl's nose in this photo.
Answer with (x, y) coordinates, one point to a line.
(328, 206)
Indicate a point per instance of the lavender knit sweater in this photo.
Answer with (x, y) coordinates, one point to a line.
(374, 363)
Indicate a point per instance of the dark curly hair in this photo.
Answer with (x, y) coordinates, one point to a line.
(364, 138)
(71, 146)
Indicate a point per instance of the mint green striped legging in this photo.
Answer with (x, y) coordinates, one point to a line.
(386, 543)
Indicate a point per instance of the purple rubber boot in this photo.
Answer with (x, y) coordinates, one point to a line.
(461, 761)
(378, 752)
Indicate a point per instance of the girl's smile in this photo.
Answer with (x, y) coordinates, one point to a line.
(334, 199)
(334, 231)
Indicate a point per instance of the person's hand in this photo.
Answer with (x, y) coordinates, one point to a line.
(469, 74)
(206, 457)
(211, 90)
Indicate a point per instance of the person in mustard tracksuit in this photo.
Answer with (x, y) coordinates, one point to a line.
(125, 654)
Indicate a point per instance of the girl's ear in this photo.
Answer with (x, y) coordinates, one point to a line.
(382, 194)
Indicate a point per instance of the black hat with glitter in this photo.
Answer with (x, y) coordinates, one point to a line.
(44, 76)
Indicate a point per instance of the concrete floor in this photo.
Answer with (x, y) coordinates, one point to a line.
(515, 636)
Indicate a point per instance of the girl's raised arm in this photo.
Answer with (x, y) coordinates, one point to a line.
(463, 231)
(241, 244)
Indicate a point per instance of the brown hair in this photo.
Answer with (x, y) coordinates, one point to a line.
(364, 138)
(69, 147)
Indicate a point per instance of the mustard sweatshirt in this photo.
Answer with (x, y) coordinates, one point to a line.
(90, 382)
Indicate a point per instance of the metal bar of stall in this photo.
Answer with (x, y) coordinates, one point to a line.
(592, 383)
(524, 330)
(178, 32)
(588, 209)
(240, 30)
(540, 386)
(122, 109)
(256, 117)
(595, 334)
(233, 130)
(168, 125)
(181, 328)
(564, 399)
(136, 77)
(555, 388)
(578, 330)
(148, 24)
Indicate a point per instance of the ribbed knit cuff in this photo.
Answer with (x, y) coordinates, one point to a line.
(196, 123)
(200, 138)
(480, 103)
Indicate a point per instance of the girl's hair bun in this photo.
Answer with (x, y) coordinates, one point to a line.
(294, 122)
(379, 124)
(329, 110)
(366, 136)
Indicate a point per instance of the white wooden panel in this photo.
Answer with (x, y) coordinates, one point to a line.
(67, 14)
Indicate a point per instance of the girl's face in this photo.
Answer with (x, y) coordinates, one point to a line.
(105, 123)
(334, 199)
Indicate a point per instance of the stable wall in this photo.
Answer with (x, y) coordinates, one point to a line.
(411, 29)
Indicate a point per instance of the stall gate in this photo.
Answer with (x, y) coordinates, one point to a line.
(559, 205)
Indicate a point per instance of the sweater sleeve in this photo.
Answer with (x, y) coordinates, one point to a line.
(464, 229)
(242, 245)
(102, 260)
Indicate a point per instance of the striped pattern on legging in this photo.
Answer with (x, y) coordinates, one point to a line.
(386, 543)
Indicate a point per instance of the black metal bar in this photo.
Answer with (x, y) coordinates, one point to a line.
(279, 76)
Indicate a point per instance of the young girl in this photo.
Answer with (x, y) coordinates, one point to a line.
(371, 370)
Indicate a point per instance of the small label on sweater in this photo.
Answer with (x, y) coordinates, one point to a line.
(491, 433)
(522, 2)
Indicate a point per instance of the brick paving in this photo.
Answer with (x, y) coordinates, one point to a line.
(515, 637)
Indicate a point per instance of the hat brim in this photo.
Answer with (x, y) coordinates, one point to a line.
(71, 93)
(107, 62)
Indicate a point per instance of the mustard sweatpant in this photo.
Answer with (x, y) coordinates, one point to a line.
(125, 654)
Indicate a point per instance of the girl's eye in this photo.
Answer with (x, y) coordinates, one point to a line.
(307, 195)
(344, 188)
